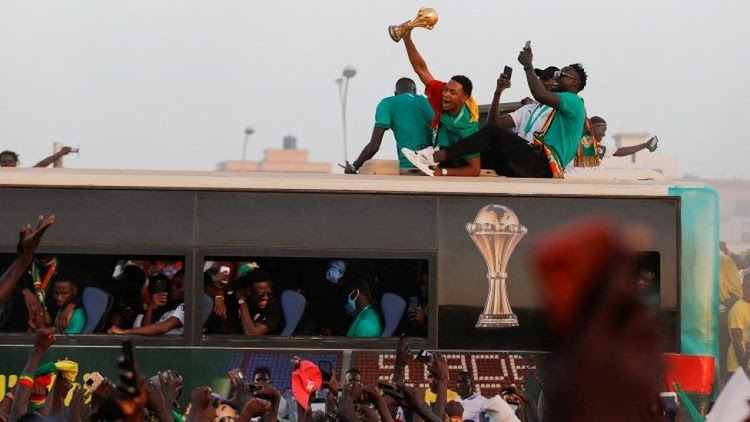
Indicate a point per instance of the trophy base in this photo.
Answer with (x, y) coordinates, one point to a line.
(393, 33)
(497, 321)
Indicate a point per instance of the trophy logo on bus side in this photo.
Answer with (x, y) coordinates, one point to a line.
(496, 231)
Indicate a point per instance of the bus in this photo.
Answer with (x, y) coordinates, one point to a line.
(404, 229)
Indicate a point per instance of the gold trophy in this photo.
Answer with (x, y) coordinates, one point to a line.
(496, 231)
(426, 18)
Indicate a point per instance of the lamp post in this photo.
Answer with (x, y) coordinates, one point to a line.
(343, 84)
(248, 131)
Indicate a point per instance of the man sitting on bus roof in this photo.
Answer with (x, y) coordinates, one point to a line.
(171, 322)
(554, 146)
(359, 305)
(260, 312)
(408, 115)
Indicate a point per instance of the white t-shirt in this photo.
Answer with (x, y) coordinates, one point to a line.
(473, 407)
(178, 312)
(529, 119)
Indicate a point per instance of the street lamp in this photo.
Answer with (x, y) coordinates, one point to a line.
(343, 84)
(248, 131)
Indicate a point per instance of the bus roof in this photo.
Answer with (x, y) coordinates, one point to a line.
(310, 182)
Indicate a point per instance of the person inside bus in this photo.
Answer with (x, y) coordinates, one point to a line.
(259, 311)
(171, 322)
(65, 295)
(359, 305)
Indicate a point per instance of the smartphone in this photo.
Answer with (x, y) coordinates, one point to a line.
(235, 374)
(325, 369)
(669, 400)
(508, 71)
(413, 303)
(94, 381)
(318, 405)
(128, 369)
(390, 390)
(424, 356)
(158, 284)
(528, 45)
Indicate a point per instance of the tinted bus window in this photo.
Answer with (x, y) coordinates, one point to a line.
(331, 296)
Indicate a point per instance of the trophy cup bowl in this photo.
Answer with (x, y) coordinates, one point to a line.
(496, 231)
(426, 18)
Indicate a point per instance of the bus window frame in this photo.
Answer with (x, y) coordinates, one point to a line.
(204, 254)
(21, 339)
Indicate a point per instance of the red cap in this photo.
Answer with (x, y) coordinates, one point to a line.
(305, 381)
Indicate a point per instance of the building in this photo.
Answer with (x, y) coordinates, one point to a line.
(287, 159)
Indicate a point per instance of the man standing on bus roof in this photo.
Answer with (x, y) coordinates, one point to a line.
(456, 113)
(409, 116)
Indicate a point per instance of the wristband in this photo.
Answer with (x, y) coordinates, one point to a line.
(26, 380)
(528, 67)
(219, 297)
(10, 396)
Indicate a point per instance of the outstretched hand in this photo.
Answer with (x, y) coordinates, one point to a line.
(503, 83)
(29, 238)
(44, 339)
(525, 57)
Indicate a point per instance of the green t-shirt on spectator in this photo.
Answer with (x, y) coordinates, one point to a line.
(77, 322)
(366, 324)
(409, 116)
(566, 129)
(454, 128)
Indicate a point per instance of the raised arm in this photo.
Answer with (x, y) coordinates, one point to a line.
(538, 91)
(156, 329)
(493, 116)
(416, 60)
(54, 157)
(27, 243)
(43, 341)
(370, 149)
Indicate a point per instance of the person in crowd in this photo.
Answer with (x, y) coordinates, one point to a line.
(126, 289)
(353, 376)
(430, 393)
(512, 155)
(730, 264)
(262, 378)
(409, 116)
(260, 312)
(359, 305)
(10, 158)
(454, 411)
(171, 322)
(65, 295)
(738, 321)
(456, 115)
(471, 400)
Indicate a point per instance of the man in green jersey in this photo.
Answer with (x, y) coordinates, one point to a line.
(409, 116)
(359, 305)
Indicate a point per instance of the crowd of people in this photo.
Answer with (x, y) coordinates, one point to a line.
(603, 367)
(336, 297)
(734, 310)
(440, 135)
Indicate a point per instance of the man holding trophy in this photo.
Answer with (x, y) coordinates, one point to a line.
(456, 112)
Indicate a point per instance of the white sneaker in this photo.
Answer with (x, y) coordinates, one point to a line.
(421, 159)
(653, 143)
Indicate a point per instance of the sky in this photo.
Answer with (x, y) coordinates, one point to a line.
(143, 84)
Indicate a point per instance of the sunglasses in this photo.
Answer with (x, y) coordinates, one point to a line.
(263, 295)
(559, 74)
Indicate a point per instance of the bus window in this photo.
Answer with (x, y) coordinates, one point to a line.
(96, 294)
(334, 296)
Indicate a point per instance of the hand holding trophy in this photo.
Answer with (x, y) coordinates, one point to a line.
(426, 18)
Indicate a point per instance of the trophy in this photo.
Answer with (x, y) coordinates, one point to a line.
(426, 18)
(496, 231)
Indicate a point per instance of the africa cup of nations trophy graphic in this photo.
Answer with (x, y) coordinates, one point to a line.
(496, 231)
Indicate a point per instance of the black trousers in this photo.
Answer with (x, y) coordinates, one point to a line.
(505, 152)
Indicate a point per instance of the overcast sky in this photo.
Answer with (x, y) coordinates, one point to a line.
(172, 84)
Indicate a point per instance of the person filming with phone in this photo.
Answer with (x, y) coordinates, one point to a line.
(554, 146)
